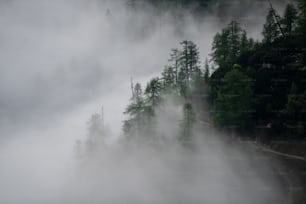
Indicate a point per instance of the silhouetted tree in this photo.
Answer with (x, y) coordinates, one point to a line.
(270, 31)
(289, 21)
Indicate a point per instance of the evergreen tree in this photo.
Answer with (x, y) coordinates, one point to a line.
(234, 39)
(301, 32)
(220, 48)
(189, 67)
(289, 19)
(137, 102)
(245, 43)
(153, 92)
(234, 101)
(168, 77)
(229, 45)
(174, 63)
(270, 31)
(136, 112)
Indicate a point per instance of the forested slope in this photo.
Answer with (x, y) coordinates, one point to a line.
(255, 87)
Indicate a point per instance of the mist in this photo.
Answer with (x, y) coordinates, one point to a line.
(61, 61)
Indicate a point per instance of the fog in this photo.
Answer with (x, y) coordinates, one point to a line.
(60, 62)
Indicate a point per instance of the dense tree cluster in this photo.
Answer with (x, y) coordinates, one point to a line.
(254, 85)
(256, 92)
(179, 79)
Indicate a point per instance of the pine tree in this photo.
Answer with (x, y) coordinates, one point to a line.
(245, 43)
(184, 72)
(229, 45)
(290, 19)
(153, 92)
(194, 61)
(174, 63)
(234, 39)
(271, 30)
(220, 48)
(301, 32)
(189, 65)
(168, 77)
(136, 112)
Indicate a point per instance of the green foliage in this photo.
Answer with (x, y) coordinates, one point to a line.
(255, 93)
(234, 103)
(229, 45)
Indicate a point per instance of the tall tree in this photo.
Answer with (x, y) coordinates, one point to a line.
(229, 45)
(301, 31)
(136, 111)
(289, 19)
(235, 39)
(220, 52)
(168, 77)
(153, 92)
(174, 63)
(245, 43)
(189, 64)
(270, 31)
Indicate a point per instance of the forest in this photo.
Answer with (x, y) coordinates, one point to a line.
(254, 88)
